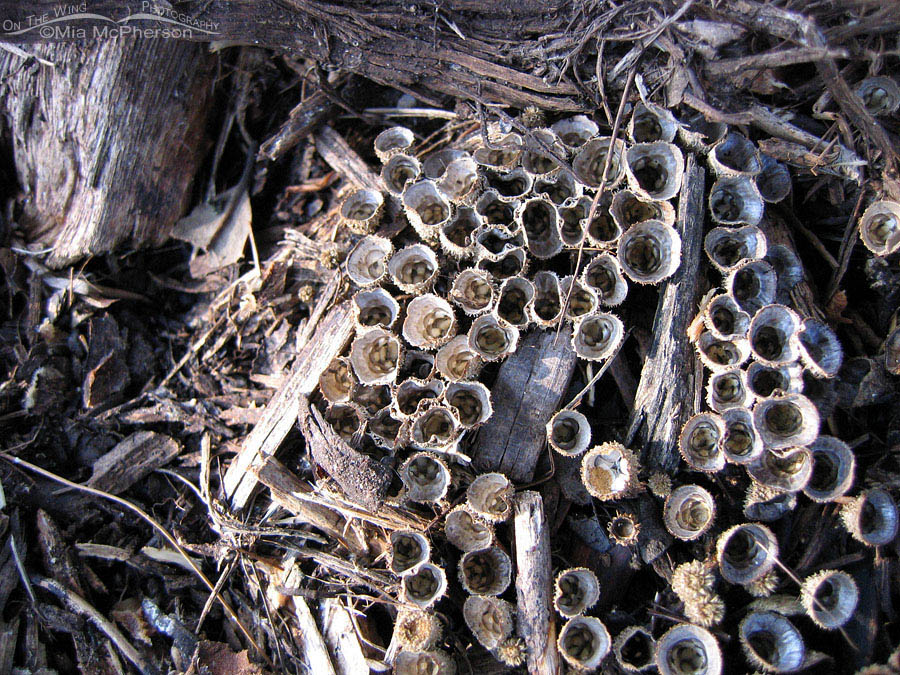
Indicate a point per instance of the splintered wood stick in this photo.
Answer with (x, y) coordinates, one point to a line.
(534, 584)
(281, 411)
(314, 648)
(672, 377)
(529, 388)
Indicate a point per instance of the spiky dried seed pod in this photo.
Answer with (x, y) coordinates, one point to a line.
(430, 322)
(559, 189)
(425, 477)
(385, 428)
(413, 268)
(573, 215)
(591, 158)
(699, 442)
(609, 471)
(367, 262)
(833, 470)
(375, 308)
(604, 275)
(457, 235)
(660, 484)
(582, 300)
(735, 155)
(773, 335)
(576, 590)
(768, 381)
(456, 361)
(490, 496)
(375, 356)
(623, 529)
(537, 158)
(654, 170)
(786, 421)
(493, 241)
(473, 290)
(740, 444)
(371, 399)
(512, 652)
(584, 642)
(728, 389)
(409, 549)
(820, 349)
(575, 131)
(597, 336)
(764, 586)
(510, 264)
(880, 95)
(471, 403)
(746, 552)
(503, 156)
(705, 609)
(416, 630)
(729, 247)
(879, 227)
(766, 503)
(649, 252)
(691, 578)
(432, 662)
(505, 187)
(688, 512)
(717, 354)
(426, 208)
(774, 180)
(399, 171)
(434, 427)
(700, 134)
(602, 231)
(514, 301)
(411, 395)
(634, 648)
(416, 364)
(466, 531)
(650, 122)
(347, 420)
(539, 221)
(424, 586)
(788, 469)
(490, 619)
(829, 598)
(735, 200)
(485, 572)
(753, 285)
(871, 518)
(569, 433)
(628, 208)
(492, 338)
(336, 382)
(546, 309)
(362, 210)
(460, 180)
(435, 165)
(392, 141)
(771, 642)
(686, 649)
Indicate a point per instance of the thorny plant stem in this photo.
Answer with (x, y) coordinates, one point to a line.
(159, 528)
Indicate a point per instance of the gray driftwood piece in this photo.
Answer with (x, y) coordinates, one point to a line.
(672, 376)
(529, 388)
(363, 479)
(534, 592)
(106, 141)
(281, 411)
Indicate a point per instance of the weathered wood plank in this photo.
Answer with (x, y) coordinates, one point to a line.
(534, 592)
(672, 376)
(528, 390)
(132, 459)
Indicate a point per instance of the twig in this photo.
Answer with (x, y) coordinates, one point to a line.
(79, 605)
